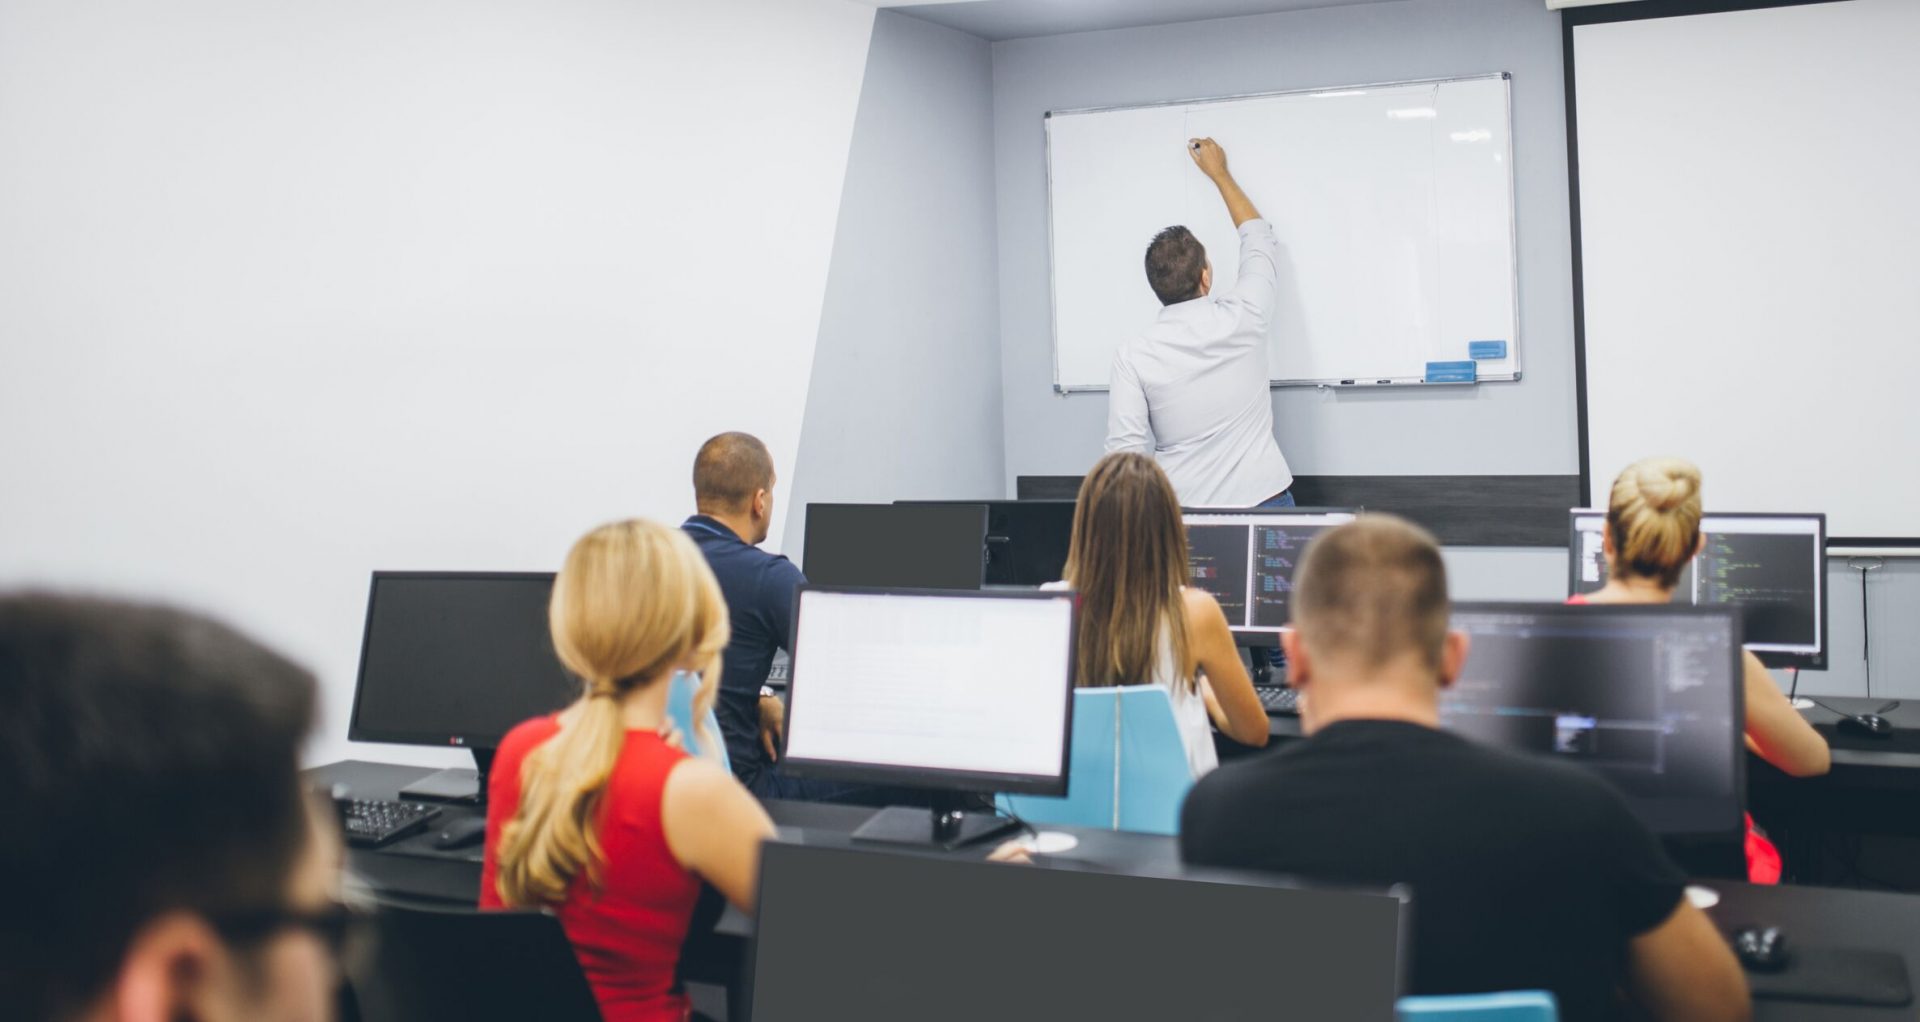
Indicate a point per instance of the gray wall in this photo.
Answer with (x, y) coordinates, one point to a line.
(905, 399)
(1521, 428)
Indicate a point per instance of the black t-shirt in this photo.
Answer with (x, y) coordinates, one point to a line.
(1526, 874)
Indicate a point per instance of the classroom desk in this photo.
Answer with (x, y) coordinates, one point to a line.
(1810, 916)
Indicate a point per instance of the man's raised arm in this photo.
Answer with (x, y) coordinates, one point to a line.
(1212, 161)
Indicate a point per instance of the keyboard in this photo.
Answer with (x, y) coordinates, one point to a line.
(370, 823)
(1279, 700)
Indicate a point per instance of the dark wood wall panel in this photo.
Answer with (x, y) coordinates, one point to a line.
(1460, 510)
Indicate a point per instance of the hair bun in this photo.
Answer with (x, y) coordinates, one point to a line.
(1666, 483)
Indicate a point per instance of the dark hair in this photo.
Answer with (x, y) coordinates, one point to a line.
(1128, 561)
(1174, 261)
(1374, 588)
(148, 764)
(729, 470)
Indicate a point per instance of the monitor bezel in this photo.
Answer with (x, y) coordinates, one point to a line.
(1776, 658)
(929, 778)
(806, 530)
(358, 732)
(1737, 747)
(1255, 638)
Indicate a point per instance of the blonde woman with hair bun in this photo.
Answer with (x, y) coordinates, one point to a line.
(596, 812)
(1652, 534)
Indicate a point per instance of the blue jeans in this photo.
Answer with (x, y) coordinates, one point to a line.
(1285, 499)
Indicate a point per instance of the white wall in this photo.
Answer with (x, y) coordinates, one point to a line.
(905, 397)
(294, 291)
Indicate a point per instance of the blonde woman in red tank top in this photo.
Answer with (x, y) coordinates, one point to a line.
(593, 812)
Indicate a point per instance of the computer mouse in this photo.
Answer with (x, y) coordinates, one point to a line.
(1870, 724)
(464, 832)
(1762, 948)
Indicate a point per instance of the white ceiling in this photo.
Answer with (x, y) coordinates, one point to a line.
(1017, 19)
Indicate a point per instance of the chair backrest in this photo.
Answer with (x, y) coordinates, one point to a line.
(1154, 774)
(1516, 1006)
(680, 690)
(461, 963)
(1128, 769)
(1091, 799)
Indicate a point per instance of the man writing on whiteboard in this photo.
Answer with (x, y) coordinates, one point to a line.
(1192, 389)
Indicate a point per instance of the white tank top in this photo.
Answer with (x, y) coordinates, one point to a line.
(1189, 706)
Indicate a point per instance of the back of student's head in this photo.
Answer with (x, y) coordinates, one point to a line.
(633, 602)
(1371, 592)
(728, 471)
(1653, 517)
(148, 766)
(1127, 558)
(1175, 259)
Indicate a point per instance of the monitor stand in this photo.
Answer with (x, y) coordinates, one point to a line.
(456, 785)
(947, 825)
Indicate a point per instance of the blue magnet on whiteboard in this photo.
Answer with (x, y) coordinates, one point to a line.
(1486, 350)
(1452, 372)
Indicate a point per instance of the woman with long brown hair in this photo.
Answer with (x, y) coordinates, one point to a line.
(1140, 623)
(595, 812)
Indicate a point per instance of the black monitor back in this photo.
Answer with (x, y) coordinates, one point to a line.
(456, 658)
(896, 546)
(1027, 540)
(859, 935)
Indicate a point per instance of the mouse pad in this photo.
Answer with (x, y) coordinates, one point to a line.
(1837, 975)
(1903, 739)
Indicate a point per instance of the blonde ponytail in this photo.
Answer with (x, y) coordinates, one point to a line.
(1653, 514)
(633, 600)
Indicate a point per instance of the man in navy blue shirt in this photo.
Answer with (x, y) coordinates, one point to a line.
(733, 492)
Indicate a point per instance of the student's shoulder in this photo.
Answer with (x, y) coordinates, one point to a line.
(527, 736)
(1537, 784)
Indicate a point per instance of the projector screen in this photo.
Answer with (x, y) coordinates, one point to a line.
(1746, 217)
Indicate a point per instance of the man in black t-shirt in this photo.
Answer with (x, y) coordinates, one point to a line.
(1526, 874)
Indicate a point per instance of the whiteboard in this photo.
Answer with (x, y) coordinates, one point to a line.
(1747, 215)
(1393, 203)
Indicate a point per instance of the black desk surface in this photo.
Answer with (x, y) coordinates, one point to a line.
(1810, 916)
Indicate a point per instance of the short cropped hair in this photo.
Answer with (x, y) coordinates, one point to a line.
(729, 470)
(1371, 591)
(1175, 259)
(148, 764)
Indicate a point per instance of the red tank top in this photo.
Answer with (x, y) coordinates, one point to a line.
(1764, 862)
(627, 934)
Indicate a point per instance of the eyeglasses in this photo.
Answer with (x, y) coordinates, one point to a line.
(333, 925)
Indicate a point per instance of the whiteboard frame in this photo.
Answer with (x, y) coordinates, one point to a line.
(1513, 233)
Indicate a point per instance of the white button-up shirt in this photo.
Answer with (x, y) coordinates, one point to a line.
(1193, 389)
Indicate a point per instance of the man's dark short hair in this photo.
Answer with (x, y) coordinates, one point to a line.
(1174, 261)
(148, 764)
(729, 470)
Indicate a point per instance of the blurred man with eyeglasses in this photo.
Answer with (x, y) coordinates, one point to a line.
(161, 864)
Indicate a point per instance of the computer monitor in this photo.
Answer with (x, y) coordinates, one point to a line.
(1772, 566)
(1651, 697)
(456, 659)
(896, 546)
(947, 691)
(1246, 557)
(860, 935)
(1027, 540)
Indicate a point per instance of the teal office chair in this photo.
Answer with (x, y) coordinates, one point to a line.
(680, 711)
(1128, 769)
(1517, 1006)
